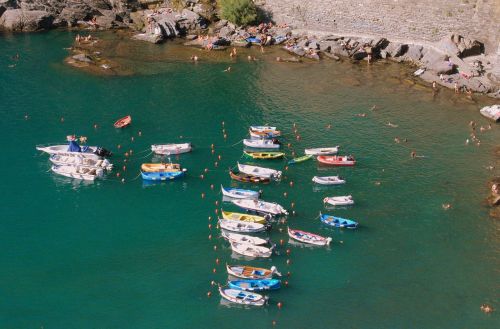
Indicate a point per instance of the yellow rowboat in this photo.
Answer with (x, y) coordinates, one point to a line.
(161, 167)
(243, 217)
(264, 155)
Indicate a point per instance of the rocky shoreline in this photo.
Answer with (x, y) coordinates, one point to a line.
(455, 62)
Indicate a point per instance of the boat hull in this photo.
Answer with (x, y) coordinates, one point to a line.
(338, 222)
(250, 272)
(169, 149)
(335, 161)
(161, 176)
(123, 122)
(242, 297)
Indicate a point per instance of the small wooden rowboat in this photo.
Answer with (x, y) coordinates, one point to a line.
(328, 180)
(300, 159)
(168, 149)
(243, 238)
(242, 297)
(241, 177)
(322, 151)
(255, 285)
(250, 272)
(338, 221)
(264, 155)
(244, 217)
(123, 122)
(339, 200)
(161, 167)
(307, 237)
(238, 193)
(336, 160)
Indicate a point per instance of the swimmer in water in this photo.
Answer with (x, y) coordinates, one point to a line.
(228, 69)
(361, 115)
(397, 140)
(390, 124)
(374, 107)
(413, 154)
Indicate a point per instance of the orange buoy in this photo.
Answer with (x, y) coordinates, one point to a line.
(62, 119)
(210, 226)
(223, 123)
(216, 211)
(286, 167)
(126, 154)
(217, 261)
(211, 186)
(280, 305)
(293, 212)
(209, 294)
(293, 153)
(117, 174)
(26, 116)
(131, 151)
(210, 237)
(209, 218)
(288, 262)
(274, 323)
(212, 283)
(225, 136)
(203, 195)
(118, 146)
(291, 183)
(95, 125)
(289, 145)
(123, 180)
(282, 241)
(217, 202)
(298, 137)
(288, 274)
(286, 283)
(213, 151)
(280, 229)
(212, 146)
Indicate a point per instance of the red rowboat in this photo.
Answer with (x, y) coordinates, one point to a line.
(123, 122)
(337, 160)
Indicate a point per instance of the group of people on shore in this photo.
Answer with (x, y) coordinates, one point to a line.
(80, 38)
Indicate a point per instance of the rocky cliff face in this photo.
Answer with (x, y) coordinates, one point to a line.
(32, 15)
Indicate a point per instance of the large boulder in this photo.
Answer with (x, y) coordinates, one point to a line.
(395, 49)
(189, 21)
(148, 37)
(414, 53)
(2, 10)
(455, 44)
(27, 21)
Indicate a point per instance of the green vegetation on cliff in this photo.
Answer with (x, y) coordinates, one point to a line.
(239, 12)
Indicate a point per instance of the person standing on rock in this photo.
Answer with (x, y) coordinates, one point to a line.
(456, 88)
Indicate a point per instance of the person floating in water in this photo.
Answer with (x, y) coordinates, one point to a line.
(228, 69)
(413, 154)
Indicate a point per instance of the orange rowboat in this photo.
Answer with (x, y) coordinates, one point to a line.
(123, 122)
(336, 160)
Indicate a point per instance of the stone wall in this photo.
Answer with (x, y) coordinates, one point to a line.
(405, 20)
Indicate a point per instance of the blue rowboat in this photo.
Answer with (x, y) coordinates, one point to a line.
(338, 221)
(162, 176)
(255, 285)
(242, 297)
(238, 193)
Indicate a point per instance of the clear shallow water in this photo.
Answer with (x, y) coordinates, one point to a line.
(132, 255)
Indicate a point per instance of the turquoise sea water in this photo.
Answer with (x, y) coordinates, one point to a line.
(136, 255)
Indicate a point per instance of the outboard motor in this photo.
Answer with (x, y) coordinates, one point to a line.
(103, 152)
(276, 141)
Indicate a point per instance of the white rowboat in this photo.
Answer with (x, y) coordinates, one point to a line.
(251, 250)
(79, 160)
(242, 238)
(339, 200)
(262, 143)
(328, 180)
(322, 151)
(167, 149)
(242, 227)
(261, 207)
(242, 297)
(237, 193)
(309, 238)
(259, 171)
(78, 172)
(263, 128)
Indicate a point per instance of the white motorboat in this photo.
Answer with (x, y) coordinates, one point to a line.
(242, 297)
(309, 238)
(250, 250)
(263, 128)
(262, 143)
(339, 200)
(491, 112)
(322, 151)
(77, 172)
(79, 160)
(259, 171)
(328, 180)
(242, 238)
(87, 151)
(242, 227)
(261, 207)
(168, 149)
(238, 193)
